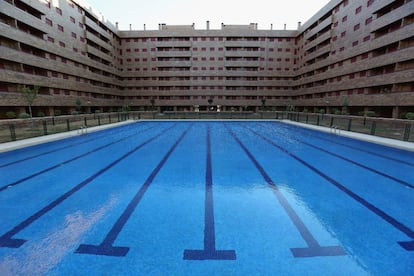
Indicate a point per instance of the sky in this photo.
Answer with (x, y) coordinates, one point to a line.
(186, 12)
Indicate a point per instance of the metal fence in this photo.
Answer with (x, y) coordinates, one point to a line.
(382, 127)
(17, 129)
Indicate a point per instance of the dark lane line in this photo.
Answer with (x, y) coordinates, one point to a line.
(106, 247)
(311, 133)
(400, 181)
(50, 151)
(7, 240)
(12, 184)
(209, 252)
(314, 248)
(382, 214)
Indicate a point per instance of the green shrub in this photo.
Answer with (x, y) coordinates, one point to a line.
(58, 112)
(361, 113)
(409, 115)
(24, 115)
(370, 113)
(322, 111)
(11, 114)
(40, 114)
(75, 112)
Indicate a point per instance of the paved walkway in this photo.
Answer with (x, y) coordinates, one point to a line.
(53, 137)
(360, 136)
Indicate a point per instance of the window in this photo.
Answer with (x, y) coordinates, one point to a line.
(358, 10)
(368, 20)
(346, 3)
(73, 35)
(58, 10)
(211, 49)
(368, 37)
(49, 22)
(72, 20)
(80, 25)
(345, 18)
(355, 43)
(357, 26)
(343, 34)
(62, 44)
(50, 39)
(60, 28)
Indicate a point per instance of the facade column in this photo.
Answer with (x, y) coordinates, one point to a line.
(395, 112)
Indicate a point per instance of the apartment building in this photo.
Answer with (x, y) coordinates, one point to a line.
(354, 56)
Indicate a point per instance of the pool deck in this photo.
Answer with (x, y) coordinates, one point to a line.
(58, 136)
(359, 136)
(53, 137)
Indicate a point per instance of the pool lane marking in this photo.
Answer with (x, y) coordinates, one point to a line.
(310, 132)
(7, 240)
(106, 247)
(55, 150)
(407, 245)
(400, 181)
(314, 248)
(209, 252)
(9, 185)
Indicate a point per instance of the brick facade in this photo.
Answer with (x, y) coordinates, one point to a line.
(358, 54)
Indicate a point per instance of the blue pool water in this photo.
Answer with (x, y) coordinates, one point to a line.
(207, 198)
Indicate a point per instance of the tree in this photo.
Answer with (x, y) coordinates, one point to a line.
(78, 103)
(30, 95)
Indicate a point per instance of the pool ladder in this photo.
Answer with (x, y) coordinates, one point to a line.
(335, 130)
(83, 130)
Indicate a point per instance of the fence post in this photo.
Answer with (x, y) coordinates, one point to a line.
(407, 132)
(349, 124)
(12, 132)
(67, 125)
(373, 127)
(332, 121)
(307, 118)
(84, 120)
(109, 117)
(99, 120)
(317, 119)
(44, 128)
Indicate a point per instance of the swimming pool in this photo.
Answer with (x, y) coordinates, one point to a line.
(207, 198)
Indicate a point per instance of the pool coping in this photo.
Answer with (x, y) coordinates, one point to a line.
(9, 146)
(408, 146)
